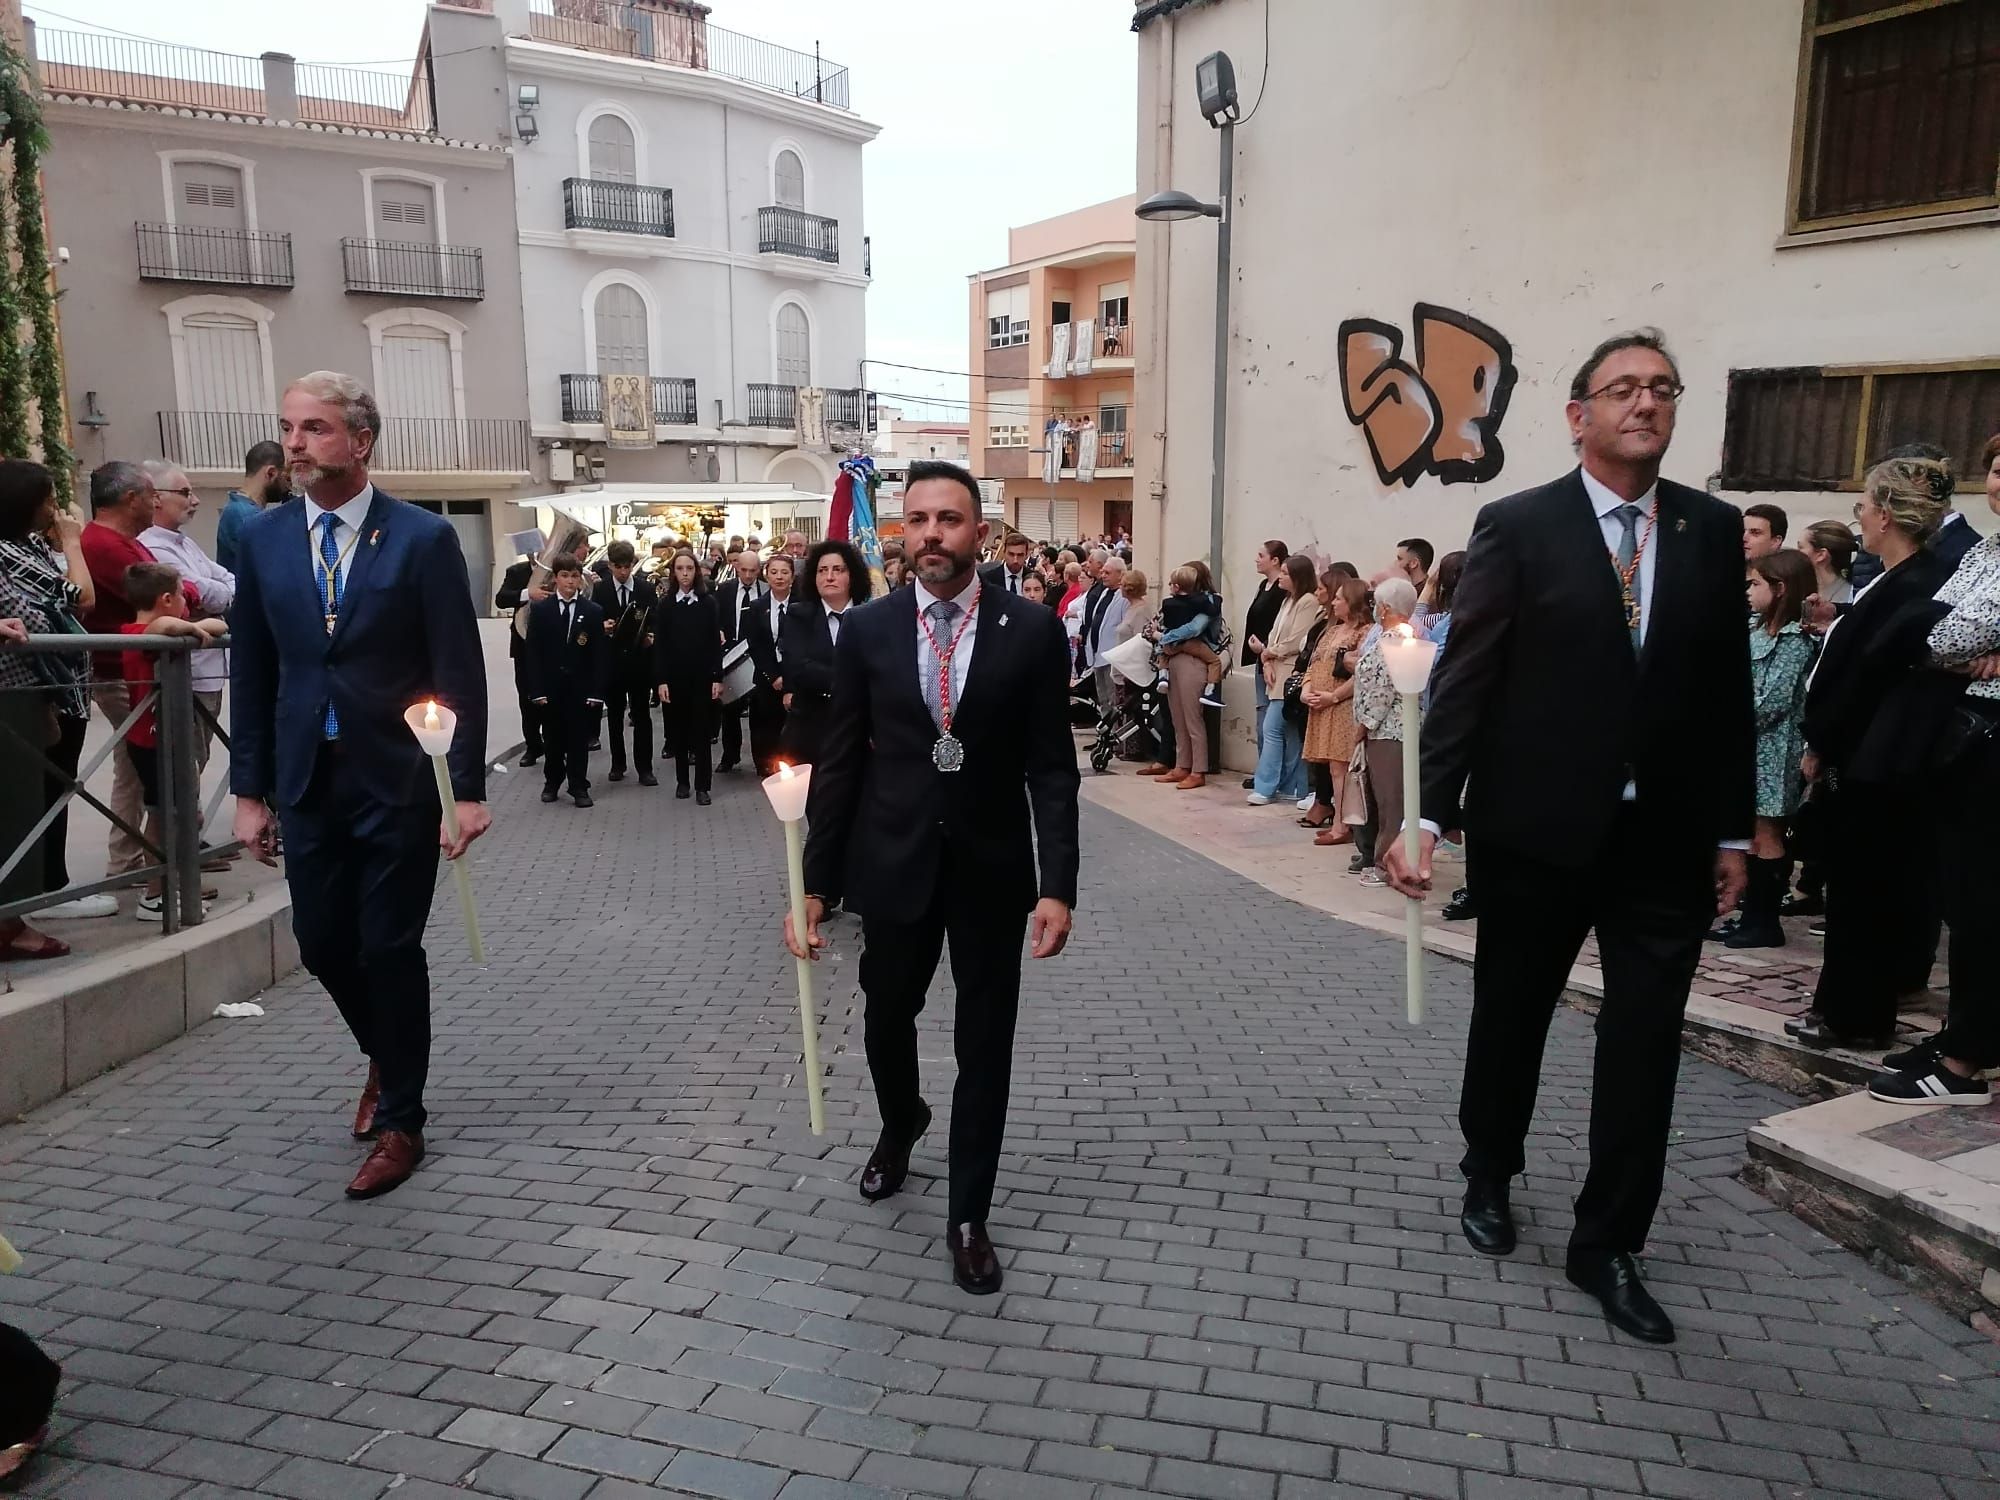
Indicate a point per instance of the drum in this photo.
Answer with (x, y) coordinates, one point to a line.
(738, 672)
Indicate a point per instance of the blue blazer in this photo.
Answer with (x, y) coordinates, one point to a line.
(407, 632)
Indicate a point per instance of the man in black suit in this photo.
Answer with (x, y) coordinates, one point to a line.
(630, 689)
(1599, 617)
(514, 592)
(567, 654)
(736, 601)
(948, 730)
(1005, 572)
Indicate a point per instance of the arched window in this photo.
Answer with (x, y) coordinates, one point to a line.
(614, 154)
(620, 314)
(794, 346)
(788, 180)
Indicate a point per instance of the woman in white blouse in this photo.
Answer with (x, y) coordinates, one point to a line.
(1378, 712)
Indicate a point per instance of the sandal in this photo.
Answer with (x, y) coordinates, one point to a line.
(14, 1459)
(1319, 817)
(51, 947)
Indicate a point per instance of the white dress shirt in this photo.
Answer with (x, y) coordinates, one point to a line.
(214, 583)
(833, 619)
(961, 659)
(775, 607)
(352, 513)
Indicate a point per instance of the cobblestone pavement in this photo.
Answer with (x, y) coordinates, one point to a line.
(1227, 1215)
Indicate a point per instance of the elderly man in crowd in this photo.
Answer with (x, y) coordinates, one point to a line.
(174, 505)
(1103, 607)
(795, 546)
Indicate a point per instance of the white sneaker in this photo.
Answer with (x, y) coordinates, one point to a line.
(154, 908)
(1258, 799)
(1306, 803)
(103, 904)
(1372, 878)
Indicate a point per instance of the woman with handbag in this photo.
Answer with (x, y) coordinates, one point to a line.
(1326, 691)
(1378, 713)
(45, 697)
(1965, 643)
(1280, 772)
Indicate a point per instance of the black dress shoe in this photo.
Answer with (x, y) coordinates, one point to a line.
(1614, 1281)
(1486, 1220)
(617, 773)
(701, 799)
(1249, 783)
(681, 791)
(1820, 1036)
(530, 757)
(549, 794)
(1461, 907)
(974, 1266)
(647, 778)
(726, 767)
(1801, 905)
(1795, 1024)
(583, 800)
(890, 1163)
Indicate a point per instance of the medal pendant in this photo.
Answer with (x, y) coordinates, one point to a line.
(948, 754)
(331, 621)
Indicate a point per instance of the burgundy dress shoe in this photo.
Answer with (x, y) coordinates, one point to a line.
(364, 1114)
(389, 1165)
(890, 1163)
(974, 1266)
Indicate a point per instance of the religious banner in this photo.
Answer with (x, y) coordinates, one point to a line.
(1086, 449)
(1058, 351)
(812, 416)
(1086, 331)
(628, 411)
(1054, 436)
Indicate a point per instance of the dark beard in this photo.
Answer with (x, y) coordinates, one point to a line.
(953, 564)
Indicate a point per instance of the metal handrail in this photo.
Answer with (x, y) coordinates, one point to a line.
(178, 856)
(793, 231)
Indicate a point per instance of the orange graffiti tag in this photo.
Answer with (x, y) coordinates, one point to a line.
(1438, 415)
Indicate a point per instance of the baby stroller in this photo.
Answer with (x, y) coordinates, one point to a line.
(1128, 725)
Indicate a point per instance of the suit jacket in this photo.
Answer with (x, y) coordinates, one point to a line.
(725, 610)
(632, 666)
(687, 641)
(995, 574)
(881, 813)
(764, 646)
(1541, 712)
(570, 665)
(808, 674)
(407, 632)
(1867, 702)
(512, 594)
(1950, 542)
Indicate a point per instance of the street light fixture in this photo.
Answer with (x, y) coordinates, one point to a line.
(1215, 89)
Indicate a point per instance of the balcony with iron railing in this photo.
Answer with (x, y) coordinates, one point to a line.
(1110, 348)
(847, 408)
(793, 231)
(404, 269)
(94, 65)
(682, 37)
(214, 257)
(217, 440)
(1113, 450)
(673, 400)
(617, 207)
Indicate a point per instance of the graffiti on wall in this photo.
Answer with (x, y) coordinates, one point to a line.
(1438, 412)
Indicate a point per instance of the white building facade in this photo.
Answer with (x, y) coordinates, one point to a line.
(693, 262)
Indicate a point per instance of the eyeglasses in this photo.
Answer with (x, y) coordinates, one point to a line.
(185, 494)
(1625, 392)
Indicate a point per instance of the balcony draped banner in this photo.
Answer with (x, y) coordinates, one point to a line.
(1086, 331)
(1058, 351)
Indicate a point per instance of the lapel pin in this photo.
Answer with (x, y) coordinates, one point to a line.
(1681, 524)
(1003, 622)
(374, 537)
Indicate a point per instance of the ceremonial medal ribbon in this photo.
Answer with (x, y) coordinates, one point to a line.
(1628, 575)
(948, 754)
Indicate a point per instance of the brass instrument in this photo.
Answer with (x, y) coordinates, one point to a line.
(569, 535)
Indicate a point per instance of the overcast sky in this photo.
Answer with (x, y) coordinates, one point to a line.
(992, 114)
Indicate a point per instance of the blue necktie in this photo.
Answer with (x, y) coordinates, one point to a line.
(329, 578)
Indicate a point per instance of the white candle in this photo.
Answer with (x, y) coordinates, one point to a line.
(1409, 660)
(787, 788)
(434, 725)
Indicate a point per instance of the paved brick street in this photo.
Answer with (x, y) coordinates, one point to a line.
(1227, 1215)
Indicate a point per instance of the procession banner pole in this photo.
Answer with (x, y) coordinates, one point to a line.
(787, 789)
(434, 725)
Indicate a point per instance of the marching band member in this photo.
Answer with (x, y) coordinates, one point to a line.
(566, 653)
(687, 666)
(766, 632)
(735, 602)
(627, 601)
(836, 580)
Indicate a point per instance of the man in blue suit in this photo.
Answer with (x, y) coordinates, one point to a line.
(350, 607)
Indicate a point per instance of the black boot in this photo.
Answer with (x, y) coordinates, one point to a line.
(1759, 926)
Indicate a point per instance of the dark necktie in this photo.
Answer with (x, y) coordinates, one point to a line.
(623, 598)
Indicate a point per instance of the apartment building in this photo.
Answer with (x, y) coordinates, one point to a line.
(900, 439)
(1051, 356)
(695, 267)
(225, 222)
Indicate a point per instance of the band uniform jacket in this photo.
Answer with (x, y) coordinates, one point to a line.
(808, 674)
(631, 666)
(570, 665)
(765, 648)
(1541, 712)
(880, 812)
(725, 610)
(407, 632)
(512, 594)
(687, 642)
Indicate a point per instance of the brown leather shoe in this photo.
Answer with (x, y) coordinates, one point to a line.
(974, 1266)
(1157, 771)
(371, 1095)
(389, 1165)
(1193, 782)
(890, 1163)
(1173, 778)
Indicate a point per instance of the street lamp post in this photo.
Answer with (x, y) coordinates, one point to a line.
(1215, 86)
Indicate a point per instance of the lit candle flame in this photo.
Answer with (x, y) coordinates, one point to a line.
(784, 771)
(431, 720)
